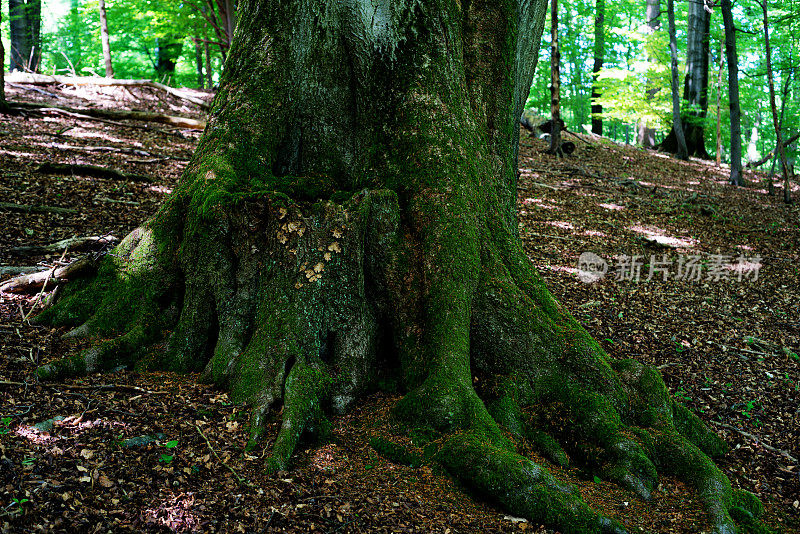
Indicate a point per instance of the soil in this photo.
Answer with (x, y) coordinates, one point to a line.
(131, 452)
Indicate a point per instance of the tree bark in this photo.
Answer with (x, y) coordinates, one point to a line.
(695, 87)
(719, 101)
(104, 37)
(198, 59)
(599, 54)
(646, 136)
(3, 105)
(787, 195)
(677, 124)
(733, 94)
(349, 219)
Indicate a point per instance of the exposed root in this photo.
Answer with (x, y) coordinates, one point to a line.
(308, 306)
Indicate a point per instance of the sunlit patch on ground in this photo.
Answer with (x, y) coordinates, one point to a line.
(613, 207)
(662, 237)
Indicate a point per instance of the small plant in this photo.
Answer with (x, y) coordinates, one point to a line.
(28, 461)
(682, 395)
(5, 424)
(18, 504)
(171, 444)
(166, 458)
(747, 410)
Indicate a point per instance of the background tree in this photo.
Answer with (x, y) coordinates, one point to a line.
(101, 10)
(787, 195)
(646, 135)
(555, 83)
(677, 123)
(3, 105)
(695, 88)
(349, 219)
(599, 54)
(733, 94)
(25, 18)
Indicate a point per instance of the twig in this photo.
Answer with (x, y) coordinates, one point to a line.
(35, 209)
(758, 440)
(90, 170)
(44, 285)
(242, 481)
(101, 387)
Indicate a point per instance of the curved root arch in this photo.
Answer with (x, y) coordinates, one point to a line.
(309, 307)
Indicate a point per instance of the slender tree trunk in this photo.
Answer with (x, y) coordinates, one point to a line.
(677, 125)
(18, 36)
(599, 53)
(733, 94)
(198, 58)
(555, 83)
(209, 71)
(719, 101)
(349, 219)
(695, 87)
(3, 105)
(105, 39)
(646, 136)
(787, 195)
(773, 155)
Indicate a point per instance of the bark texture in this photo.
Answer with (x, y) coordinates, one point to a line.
(349, 219)
(645, 135)
(599, 54)
(677, 131)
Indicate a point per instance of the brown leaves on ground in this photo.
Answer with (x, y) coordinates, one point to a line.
(167, 453)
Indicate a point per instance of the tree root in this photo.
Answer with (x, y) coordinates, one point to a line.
(308, 306)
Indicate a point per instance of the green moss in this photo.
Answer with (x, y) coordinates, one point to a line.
(394, 452)
(691, 427)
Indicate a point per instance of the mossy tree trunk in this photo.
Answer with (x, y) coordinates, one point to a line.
(350, 217)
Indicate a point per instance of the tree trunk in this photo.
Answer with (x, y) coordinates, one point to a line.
(677, 124)
(695, 87)
(555, 83)
(105, 39)
(787, 195)
(209, 72)
(719, 101)
(599, 54)
(733, 94)
(168, 51)
(646, 136)
(3, 105)
(198, 59)
(349, 220)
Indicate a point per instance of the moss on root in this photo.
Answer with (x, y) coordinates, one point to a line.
(309, 305)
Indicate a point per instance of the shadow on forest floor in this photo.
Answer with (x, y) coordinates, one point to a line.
(156, 451)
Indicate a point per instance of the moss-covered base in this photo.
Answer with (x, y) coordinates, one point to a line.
(309, 306)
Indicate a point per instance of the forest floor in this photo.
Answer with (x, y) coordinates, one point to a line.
(156, 452)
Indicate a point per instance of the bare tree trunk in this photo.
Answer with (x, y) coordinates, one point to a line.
(3, 105)
(695, 87)
(733, 94)
(774, 153)
(198, 57)
(719, 99)
(105, 39)
(677, 123)
(646, 136)
(599, 53)
(209, 72)
(555, 82)
(787, 196)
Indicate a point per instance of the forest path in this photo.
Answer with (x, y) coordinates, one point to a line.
(168, 456)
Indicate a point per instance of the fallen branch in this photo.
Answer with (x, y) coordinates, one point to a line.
(25, 208)
(101, 387)
(91, 170)
(172, 120)
(16, 270)
(36, 281)
(34, 89)
(242, 481)
(758, 440)
(71, 243)
(121, 150)
(42, 79)
(35, 108)
(754, 164)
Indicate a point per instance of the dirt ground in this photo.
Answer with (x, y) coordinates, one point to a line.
(700, 280)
